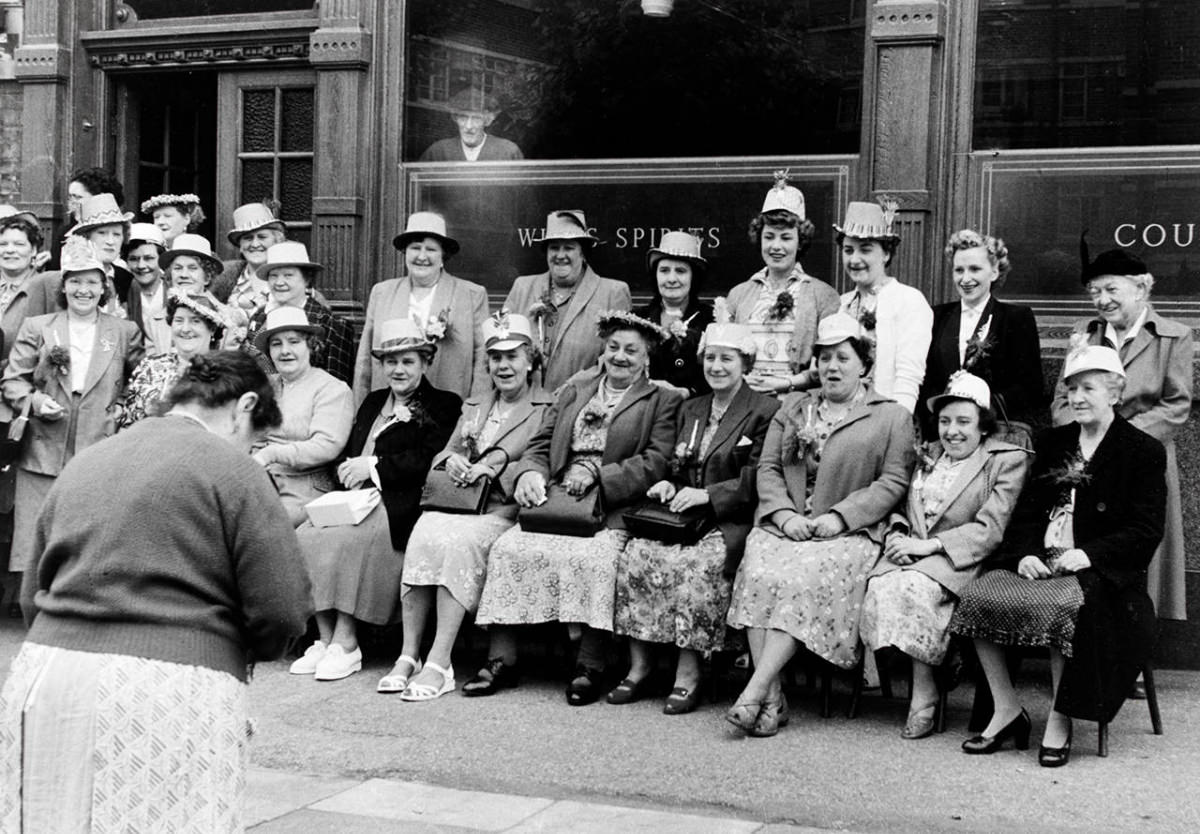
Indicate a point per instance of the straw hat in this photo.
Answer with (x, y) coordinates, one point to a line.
(288, 253)
(285, 318)
(681, 246)
(567, 224)
(739, 337)
(250, 218)
(963, 386)
(784, 197)
(146, 233)
(837, 328)
(78, 255)
(1093, 358)
(188, 244)
(400, 335)
(183, 201)
(7, 211)
(423, 224)
(99, 210)
(624, 320)
(505, 331)
(869, 221)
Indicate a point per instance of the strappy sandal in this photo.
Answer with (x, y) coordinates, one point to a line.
(395, 681)
(425, 692)
(744, 715)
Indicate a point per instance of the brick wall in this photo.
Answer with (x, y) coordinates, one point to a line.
(10, 140)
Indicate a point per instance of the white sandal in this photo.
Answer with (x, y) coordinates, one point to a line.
(394, 681)
(425, 692)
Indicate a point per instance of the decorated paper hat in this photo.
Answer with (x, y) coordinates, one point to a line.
(567, 224)
(505, 331)
(963, 386)
(188, 244)
(837, 328)
(250, 218)
(784, 197)
(288, 253)
(285, 318)
(99, 210)
(78, 255)
(681, 246)
(423, 224)
(182, 201)
(1092, 358)
(400, 335)
(739, 337)
(870, 221)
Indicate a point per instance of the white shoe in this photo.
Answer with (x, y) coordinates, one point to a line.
(306, 664)
(338, 663)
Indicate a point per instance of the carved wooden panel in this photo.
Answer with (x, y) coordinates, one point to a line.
(335, 245)
(903, 122)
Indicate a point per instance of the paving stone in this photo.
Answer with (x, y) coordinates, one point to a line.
(421, 803)
(273, 793)
(589, 818)
(323, 822)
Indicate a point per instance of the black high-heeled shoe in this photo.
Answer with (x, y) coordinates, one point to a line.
(1056, 756)
(1018, 730)
(584, 689)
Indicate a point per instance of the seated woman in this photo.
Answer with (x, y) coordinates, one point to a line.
(318, 411)
(197, 327)
(677, 269)
(835, 463)
(356, 569)
(1079, 586)
(959, 503)
(446, 561)
(679, 595)
(610, 430)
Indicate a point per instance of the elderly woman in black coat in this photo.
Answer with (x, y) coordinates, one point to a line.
(1080, 541)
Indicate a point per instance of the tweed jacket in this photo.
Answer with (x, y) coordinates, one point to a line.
(495, 149)
(903, 329)
(640, 432)
(90, 416)
(972, 518)
(459, 365)
(333, 352)
(814, 301)
(1158, 384)
(513, 437)
(405, 450)
(1011, 366)
(728, 471)
(576, 344)
(865, 466)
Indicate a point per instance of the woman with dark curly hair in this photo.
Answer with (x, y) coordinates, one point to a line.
(20, 244)
(88, 182)
(781, 302)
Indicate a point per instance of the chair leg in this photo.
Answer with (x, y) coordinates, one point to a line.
(943, 702)
(857, 687)
(1102, 750)
(885, 676)
(1152, 699)
(827, 690)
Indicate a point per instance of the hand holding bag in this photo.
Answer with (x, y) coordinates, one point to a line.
(441, 493)
(655, 520)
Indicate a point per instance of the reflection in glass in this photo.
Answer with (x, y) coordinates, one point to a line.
(1086, 73)
(154, 9)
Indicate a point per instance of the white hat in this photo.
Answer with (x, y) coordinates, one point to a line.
(399, 335)
(288, 253)
(78, 255)
(250, 218)
(963, 386)
(682, 246)
(505, 331)
(146, 233)
(423, 224)
(729, 335)
(99, 210)
(837, 328)
(7, 211)
(285, 318)
(1093, 358)
(567, 224)
(188, 244)
(784, 197)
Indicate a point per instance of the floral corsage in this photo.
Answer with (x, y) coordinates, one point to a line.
(437, 326)
(59, 358)
(979, 346)
(686, 455)
(594, 415)
(471, 429)
(678, 328)
(543, 311)
(802, 435)
(784, 304)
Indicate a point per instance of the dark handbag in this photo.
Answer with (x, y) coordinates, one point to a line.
(654, 520)
(563, 514)
(12, 436)
(441, 494)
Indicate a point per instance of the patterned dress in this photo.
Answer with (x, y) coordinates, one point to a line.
(151, 380)
(541, 577)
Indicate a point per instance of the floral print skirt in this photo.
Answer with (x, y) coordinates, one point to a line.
(542, 578)
(671, 593)
(451, 550)
(812, 590)
(910, 611)
(1005, 609)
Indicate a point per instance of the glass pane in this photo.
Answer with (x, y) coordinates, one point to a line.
(258, 180)
(598, 79)
(151, 181)
(295, 188)
(151, 132)
(1086, 73)
(151, 9)
(258, 121)
(297, 117)
(183, 136)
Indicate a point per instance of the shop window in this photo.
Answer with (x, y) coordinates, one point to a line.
(155, 9)
(596, 79)
(275, 152)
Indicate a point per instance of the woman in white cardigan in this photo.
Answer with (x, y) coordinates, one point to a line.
(895, 316)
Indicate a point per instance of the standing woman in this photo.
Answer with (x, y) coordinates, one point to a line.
(174, 214)
(256, 228)
(565, 301)
(72, 365)
(782, 301)
(449, 310)
(678, 270)
(610, 430)
(148, 296)
(356, 570)
(992, 339)
(679, 595)
(20, 240)
(896, 317)
(835, 462)
(1156, 353)
(147, 607)
(446, 562)
(105, 227)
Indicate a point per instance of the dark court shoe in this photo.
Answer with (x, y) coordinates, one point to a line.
(628, 691)
(1018, 730)
(494, 676)
(1056, 756)
(584, 689)
(682, 700)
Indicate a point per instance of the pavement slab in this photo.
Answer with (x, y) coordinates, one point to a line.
(273, 793)
(420, 803)
(589, 818)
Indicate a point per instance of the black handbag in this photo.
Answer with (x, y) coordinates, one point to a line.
(12, 436)
(563, 514)
(441, 494)
(655, 520)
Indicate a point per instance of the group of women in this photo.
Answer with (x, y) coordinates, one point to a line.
(780, 420)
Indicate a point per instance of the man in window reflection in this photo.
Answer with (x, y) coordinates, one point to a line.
(473, 112)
